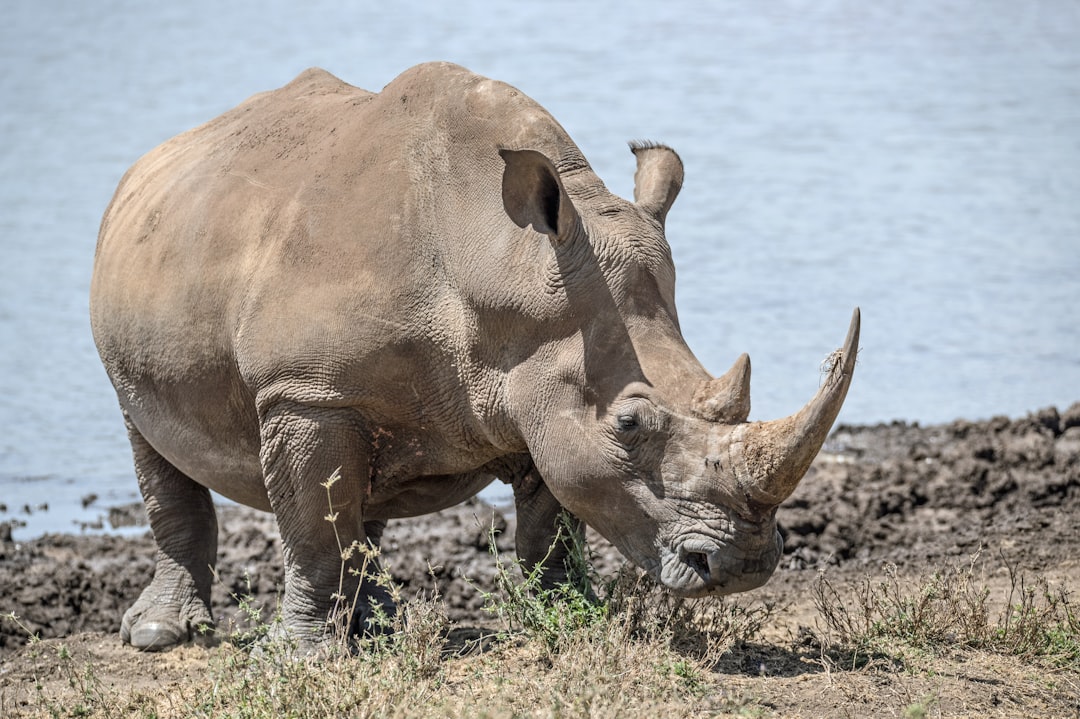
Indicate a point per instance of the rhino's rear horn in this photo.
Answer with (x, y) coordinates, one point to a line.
(726, 398)
(771, 457)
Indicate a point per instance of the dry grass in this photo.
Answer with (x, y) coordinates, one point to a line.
(885, 645)
(949, 610)
(607, 647)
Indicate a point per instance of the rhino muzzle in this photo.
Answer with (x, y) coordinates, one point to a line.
(763, 462)
(698, 566)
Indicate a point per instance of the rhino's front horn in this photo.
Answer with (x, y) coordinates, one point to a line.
(771, 457)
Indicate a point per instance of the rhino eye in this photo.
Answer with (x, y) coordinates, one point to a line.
(627, 422)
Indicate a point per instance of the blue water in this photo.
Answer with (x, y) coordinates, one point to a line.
(918, 159)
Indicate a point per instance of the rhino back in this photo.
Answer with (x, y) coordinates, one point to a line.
(318, 243)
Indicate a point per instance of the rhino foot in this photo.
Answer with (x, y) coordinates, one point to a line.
(306, 633)
(151, 627)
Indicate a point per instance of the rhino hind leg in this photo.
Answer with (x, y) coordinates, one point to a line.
(176, 604)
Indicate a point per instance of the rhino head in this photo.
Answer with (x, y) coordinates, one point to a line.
(629, 431)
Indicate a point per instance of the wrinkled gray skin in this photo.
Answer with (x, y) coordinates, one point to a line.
(429, 288)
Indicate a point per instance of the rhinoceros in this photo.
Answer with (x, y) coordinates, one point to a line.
(422, 289)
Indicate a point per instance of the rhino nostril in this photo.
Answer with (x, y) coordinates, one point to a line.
(699, 562)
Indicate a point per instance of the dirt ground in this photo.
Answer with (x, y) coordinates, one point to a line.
(1004, 491)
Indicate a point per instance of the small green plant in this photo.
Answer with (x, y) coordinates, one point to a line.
(87, 695)
(553, 615)
(920, 709)
(17, 621)
(1039, 621)
(627, 607)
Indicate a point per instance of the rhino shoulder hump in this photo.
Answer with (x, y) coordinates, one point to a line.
(316, 81)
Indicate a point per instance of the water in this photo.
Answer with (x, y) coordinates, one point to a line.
(918, 159)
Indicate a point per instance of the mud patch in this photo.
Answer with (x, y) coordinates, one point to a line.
(912, 495)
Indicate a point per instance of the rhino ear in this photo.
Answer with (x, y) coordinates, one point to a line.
(658, 179)
(533, 194)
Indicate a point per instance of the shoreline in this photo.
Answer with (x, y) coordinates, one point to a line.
(93, 515)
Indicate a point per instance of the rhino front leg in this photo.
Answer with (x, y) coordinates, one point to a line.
(546, 533)
(302, 447)
(181, 513)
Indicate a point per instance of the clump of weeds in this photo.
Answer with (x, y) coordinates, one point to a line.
(80, 692)
(262, 671)
(600, 638)
(946, 610)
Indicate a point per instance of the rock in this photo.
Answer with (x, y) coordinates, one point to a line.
(1071, 417)
(128, 515)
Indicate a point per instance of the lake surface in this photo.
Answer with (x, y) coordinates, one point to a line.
(918, 159)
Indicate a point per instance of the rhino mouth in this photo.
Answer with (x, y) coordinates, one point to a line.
(699, 566)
